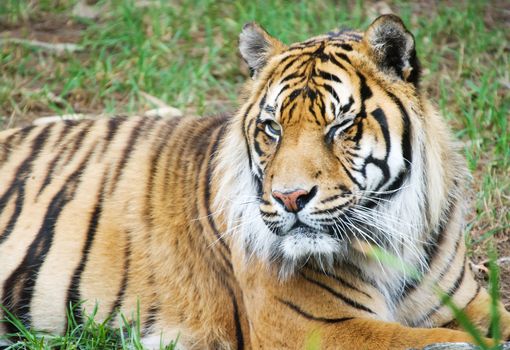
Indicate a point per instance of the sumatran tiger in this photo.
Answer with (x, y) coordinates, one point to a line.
(259, 229)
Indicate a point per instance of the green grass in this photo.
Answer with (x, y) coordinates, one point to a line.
(87, 335)
(185, 53)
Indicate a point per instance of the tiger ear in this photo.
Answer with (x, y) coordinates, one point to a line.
(257, 46)
(392, 47)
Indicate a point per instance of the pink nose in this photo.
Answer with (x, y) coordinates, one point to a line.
(293, 201)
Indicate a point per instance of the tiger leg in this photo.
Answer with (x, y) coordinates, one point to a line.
(277, 325)
(478, 312)
(288, 314)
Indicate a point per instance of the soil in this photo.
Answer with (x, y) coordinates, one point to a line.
(50, 29)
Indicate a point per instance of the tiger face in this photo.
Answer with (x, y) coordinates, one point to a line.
(328, 141)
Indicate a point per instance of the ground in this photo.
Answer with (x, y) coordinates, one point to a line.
(128, 56)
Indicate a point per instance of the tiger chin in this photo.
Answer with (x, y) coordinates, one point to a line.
(256, 230)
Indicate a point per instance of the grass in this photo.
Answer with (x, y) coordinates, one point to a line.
(185, 53)
(87, 335)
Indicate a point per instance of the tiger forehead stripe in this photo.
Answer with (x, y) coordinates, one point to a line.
(302, 73)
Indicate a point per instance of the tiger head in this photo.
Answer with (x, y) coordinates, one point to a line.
(325, 143)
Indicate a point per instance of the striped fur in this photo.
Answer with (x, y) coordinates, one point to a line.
(179, 215)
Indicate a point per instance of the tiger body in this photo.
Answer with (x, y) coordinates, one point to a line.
(87, 219)
(256, 230)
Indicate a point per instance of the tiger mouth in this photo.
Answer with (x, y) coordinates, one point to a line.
(301, 229)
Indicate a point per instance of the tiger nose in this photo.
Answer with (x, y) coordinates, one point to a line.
(295, 200)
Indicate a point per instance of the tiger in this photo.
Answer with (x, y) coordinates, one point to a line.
(256, 230)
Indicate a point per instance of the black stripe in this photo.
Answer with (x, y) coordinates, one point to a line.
(68, 125)
(207, 186)
(268, 214)
(293, 95)
(331, 91)
(406, 135)
(12, 141)
(18, 206)
(114, 125)
(450, 293)
(343, 56)
(203, 141)
(338, 295)
(125, 277)
(237, 321)
(290, 113)
(333, 210)
(26, 130)
(78, 141)
(337, 62)
(344, 46)
(329, 76)
(322, 107)
(23, 279)
(364, 91)
(59, 154)
(163, 136)
(19, 181)
(358, 273)
(381, 164)
(394, 186)
(177, 149)
(289, 64)
(342, 281)
(406, 150)
(311, 317)
(439, 233)
(73, 293)
(432, 246)
(262, 101)
(358, 124)
(448, 265)
(26, 166)
(245, 133)
(151, 319)
(380, 117)
(458, 281)
(284, 89)
(204, 135)
(49, 173)
(312, 95)
(332, 198)
(256, 145)
(313, 114)
(353, 179)
(345, 108)
(478, 289)
(133, 137)
(226, 260)
(291, 76)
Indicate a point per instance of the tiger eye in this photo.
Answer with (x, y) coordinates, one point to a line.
(273, 127)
